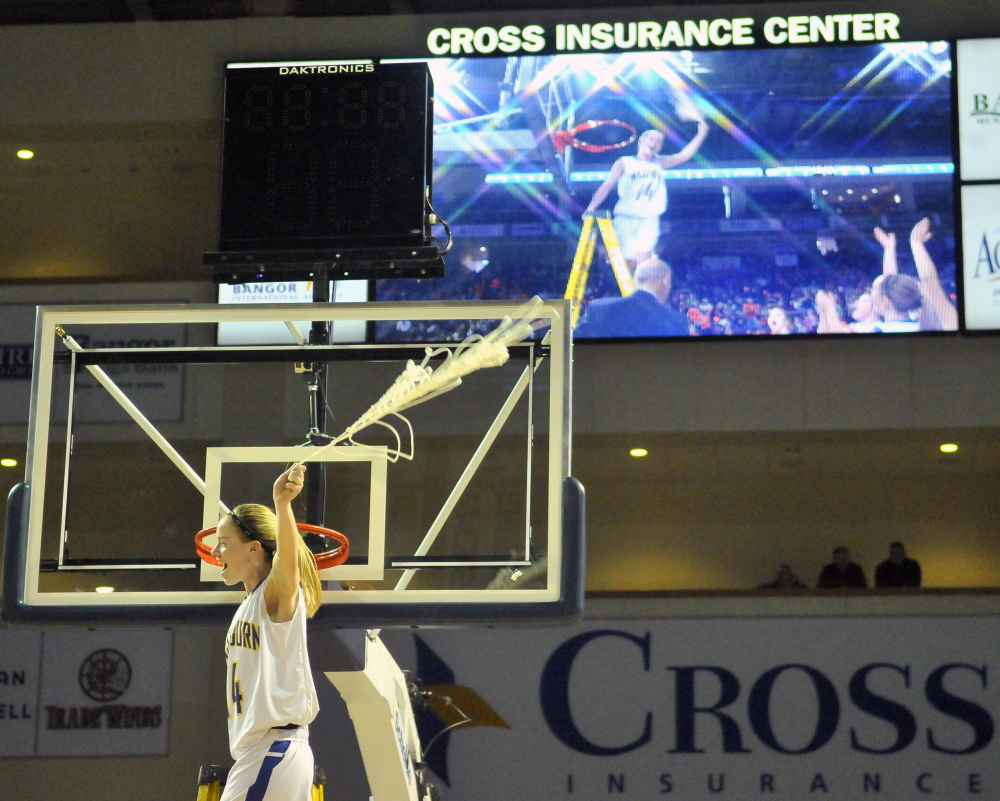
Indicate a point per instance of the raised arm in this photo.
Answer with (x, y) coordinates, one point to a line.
(281, 593)
(689, 150)
(930, 283)
(888, 243)
(609, 183)
(829, 317)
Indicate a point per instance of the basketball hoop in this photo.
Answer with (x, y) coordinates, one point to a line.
(330, 558)
(564, 139)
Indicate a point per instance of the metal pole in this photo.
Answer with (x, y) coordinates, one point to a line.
(319, 334)
(470, 470)
(133, 411)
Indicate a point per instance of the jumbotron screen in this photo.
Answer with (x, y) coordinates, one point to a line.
(790, 191)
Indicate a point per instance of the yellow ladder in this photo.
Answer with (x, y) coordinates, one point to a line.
(212, 778)
(584, 257)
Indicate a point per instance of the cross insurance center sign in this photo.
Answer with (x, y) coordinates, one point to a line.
(776, 709)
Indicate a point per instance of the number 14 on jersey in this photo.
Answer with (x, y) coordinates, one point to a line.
(235, 693)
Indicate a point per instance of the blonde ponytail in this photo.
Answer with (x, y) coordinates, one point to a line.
(261, 524)
(309, 577)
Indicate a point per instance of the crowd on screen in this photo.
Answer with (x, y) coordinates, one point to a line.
(742, 302)
(749, 295)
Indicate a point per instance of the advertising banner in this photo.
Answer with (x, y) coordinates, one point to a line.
(707, 709)
(277, 333)
(157, 389)
(981, 251)
(20, 671)
(85, 692)
(979, 108)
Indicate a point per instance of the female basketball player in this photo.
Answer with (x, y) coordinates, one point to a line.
(271, 696)
(642, 193)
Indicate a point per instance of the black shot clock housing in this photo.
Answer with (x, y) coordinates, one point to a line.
(327, 162)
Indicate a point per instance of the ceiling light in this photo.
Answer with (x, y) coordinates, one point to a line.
(25, 154)
(638, 452)
(104, 590)
(8, 462)
(949, 447)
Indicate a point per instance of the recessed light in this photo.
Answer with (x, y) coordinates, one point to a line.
(949, 447)
(104, 590)
(25, 154)
(638, 452)
(8, 462)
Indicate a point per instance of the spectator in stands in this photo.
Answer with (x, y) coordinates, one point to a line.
(645, 313)
(842, 572)
(937, 311)
(864, 314)
(898, 570)
(784, 579)
(778, 321)
(899, 303)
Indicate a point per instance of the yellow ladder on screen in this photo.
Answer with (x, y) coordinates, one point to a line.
(212, 778)
(580, 271)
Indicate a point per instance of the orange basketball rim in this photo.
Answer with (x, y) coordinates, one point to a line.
(331, 558)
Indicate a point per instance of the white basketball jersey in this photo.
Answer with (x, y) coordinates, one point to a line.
(641, 189)
(269, 682)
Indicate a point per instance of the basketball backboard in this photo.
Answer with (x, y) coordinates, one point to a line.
(143, 431)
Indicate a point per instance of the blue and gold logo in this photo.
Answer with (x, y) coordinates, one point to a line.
(449, 706)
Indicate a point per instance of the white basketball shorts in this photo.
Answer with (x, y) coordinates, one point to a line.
(637, 234)
(278, 768)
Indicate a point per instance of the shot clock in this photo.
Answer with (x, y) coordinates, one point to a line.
(325, 155)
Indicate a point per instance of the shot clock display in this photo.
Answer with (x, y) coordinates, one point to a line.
(325, 155)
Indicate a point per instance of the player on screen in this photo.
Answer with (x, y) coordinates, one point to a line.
(642, 192)
(270, 693)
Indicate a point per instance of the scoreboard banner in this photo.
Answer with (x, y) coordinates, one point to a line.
(653, 34)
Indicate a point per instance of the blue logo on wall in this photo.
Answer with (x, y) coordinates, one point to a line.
(449, 706)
